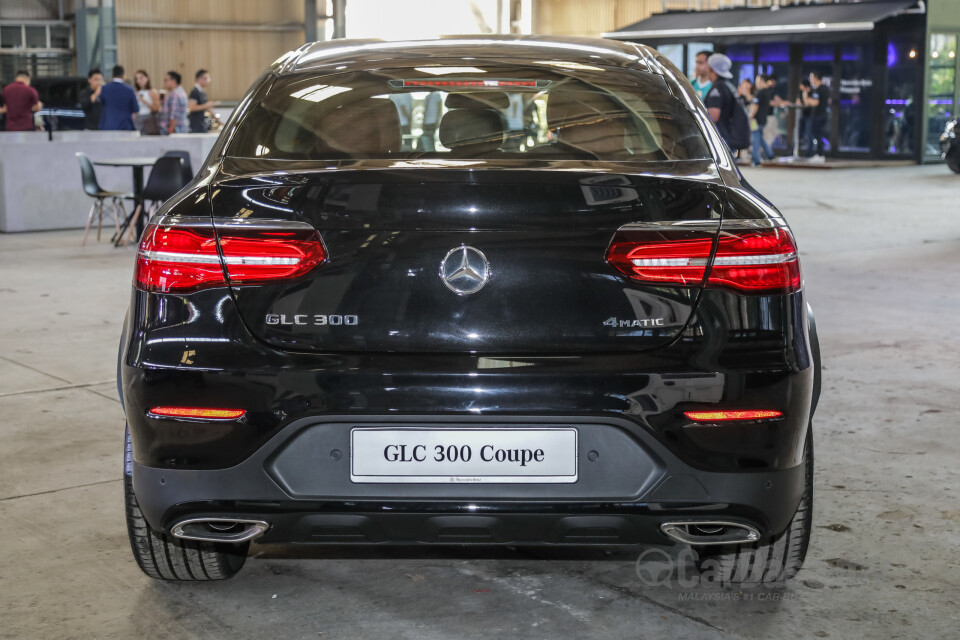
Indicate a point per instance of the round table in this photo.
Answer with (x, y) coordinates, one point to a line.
(138, 164)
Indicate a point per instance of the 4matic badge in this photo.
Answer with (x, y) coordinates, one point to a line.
(617, 323)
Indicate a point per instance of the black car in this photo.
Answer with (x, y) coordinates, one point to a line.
(950, 145)
(582, 328)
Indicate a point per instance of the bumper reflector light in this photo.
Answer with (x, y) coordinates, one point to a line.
(724, 416)
(197, 412)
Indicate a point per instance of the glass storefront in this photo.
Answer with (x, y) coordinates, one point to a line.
(856, 98)
(819, 58)
(774, 59)
(899, 100)
(941, 89)
(673, 53)
(743, 66)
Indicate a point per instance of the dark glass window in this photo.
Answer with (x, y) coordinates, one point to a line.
(60, 37)
(856, 98)
(774, 59)
(558, 112)
(36, 37)
(11, 37)
(940, 105)
(899, 100)
(741, 57)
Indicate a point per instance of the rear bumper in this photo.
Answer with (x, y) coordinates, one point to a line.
(301, 487)
(654, 464)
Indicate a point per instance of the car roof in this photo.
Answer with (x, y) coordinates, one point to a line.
(372, 53)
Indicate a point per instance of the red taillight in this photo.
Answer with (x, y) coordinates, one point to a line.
(748, 261)
(725, 416)
(198, 412)
(181, 258)
(761, 261)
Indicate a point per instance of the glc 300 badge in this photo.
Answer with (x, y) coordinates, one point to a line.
(308, 319)
(464, 270)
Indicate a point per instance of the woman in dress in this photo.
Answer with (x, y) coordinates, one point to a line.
(149, 104)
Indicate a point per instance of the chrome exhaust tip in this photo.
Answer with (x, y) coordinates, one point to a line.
(219, 529)
(706, 532)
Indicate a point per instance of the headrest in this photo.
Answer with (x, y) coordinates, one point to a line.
(477, 100)
(471, 130)
(589, 121)
(580, 106)
(361, 129)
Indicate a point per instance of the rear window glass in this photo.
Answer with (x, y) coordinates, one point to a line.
(581, 113)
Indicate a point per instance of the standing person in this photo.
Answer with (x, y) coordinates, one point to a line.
(198, 102)
(818, 100)
(90, 100)
(173, 115)
(21, 101)
(806, 130)
(120, 105)
(762, 106)
(403, 102)
(149, 104)
(746, 95)
(701, 80)
(725, 110)
(432, 110)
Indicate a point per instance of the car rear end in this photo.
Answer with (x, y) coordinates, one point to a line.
(370, 325)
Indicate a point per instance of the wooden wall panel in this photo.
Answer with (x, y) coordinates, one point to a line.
(211, 11)
(234, 58)
(590, 17)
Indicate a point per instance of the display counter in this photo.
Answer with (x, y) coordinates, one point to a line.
(40, 185)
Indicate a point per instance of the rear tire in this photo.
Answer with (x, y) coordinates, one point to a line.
(769, 563)
(164, 557)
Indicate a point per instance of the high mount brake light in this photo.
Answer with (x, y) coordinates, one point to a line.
(178, 258)
(727, 416)
(747, 261)
(470, 83)
(198, 413)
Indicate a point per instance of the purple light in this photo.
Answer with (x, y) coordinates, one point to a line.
(940, 101)
(851, 53)
(898, 102)
(775, 52)
(892, 56)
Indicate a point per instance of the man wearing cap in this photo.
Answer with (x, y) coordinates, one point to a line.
(722, 97)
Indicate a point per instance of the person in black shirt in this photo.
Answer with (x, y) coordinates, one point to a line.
(805, 145)
(90, 100)
(818, 99)
(721, 99)
(198, 103)
(762, 107)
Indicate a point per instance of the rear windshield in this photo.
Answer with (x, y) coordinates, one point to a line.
(548, 112)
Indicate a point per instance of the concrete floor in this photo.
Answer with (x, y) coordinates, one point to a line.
(881, 257)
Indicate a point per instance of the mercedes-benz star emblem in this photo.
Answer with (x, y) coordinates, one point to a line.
(464, 270)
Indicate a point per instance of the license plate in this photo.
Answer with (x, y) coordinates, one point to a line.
(463, 456)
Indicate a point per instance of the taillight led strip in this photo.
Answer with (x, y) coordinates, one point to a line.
(168, 256)
(719, 261)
